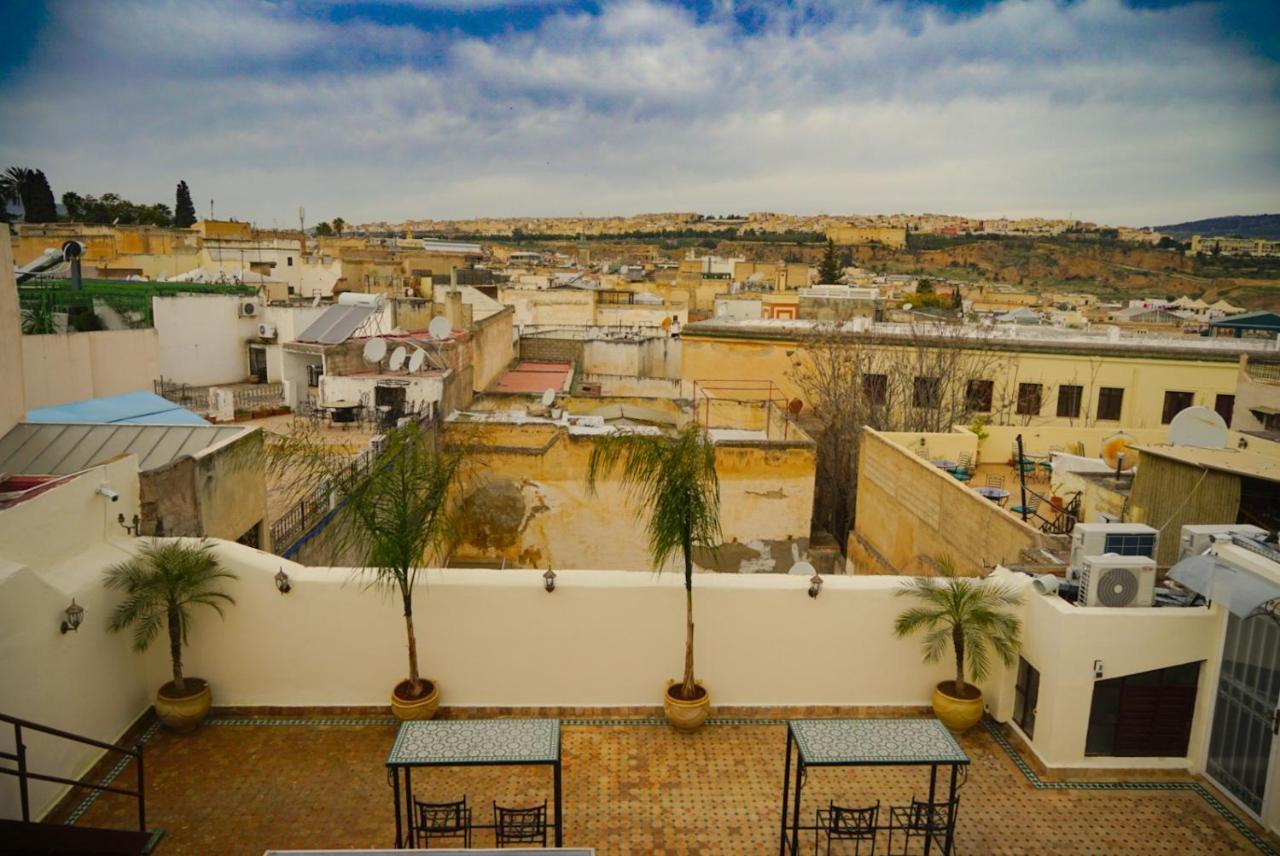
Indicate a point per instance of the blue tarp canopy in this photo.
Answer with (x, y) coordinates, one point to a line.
(132, 408)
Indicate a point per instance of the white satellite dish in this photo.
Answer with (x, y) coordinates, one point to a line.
(397, 358)
(548, 397)
(906, 307)
(440, 328)
(1198, 426)
(416, 359)
(374, 350)
(802, 569)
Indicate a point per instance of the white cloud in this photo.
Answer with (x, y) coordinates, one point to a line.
(1031, 107)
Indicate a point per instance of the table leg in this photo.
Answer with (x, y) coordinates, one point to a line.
(559, 812)
(408, 805)
(951, 814)
(928, 829)
(786, 791)
(795, 812)
(395, 791)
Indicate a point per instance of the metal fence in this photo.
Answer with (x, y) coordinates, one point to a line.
(312, 508)
(191, 397)
(1263, 371)
(259, 396)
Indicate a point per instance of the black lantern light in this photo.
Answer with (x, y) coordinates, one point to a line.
(74, 615)
(549, 581)
(282, 582)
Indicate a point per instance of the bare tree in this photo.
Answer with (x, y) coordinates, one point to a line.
(927, 378)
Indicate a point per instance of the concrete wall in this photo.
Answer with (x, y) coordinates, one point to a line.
(910, 511)
(13, 404)
(202, 339)
(62, 367)
(550, 307)
(494, 347)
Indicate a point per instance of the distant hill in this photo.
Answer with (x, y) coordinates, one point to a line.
(1255, 226)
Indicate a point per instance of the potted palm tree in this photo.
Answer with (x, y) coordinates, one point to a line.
(160, 585)
(672, 483)
(970, 614)
(395, 512)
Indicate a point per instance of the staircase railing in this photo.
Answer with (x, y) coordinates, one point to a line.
(24, 775)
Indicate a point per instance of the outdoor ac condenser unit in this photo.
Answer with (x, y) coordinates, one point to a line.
(248, 310)
(1195, 539)
(1120, 581)
(1095, 539)
(266, 331)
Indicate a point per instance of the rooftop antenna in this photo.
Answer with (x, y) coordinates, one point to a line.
(439, 328)
(210, 209)
(374, 350)
(548, 397)
(397, 358)
(416, 359)
(302, 221)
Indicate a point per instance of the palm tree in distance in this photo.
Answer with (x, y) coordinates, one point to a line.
(968, 613)
(671, 481)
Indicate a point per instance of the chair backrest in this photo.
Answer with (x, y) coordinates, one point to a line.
(520, 825)
(852, 822)
(935, 816)
(994, 480)
(441, 817)
(966, 461)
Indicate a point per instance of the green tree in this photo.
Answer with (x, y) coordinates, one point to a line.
(829, 268)
(672, 484)
(338, 225)
(184, 210)
(395, 513)
(160, 585)
(968, 613)
(324, 230)
(37, 199)
(13, 186)
(111, 208)
(924, 286)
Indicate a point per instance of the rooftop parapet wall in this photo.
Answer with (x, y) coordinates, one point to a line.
(912, 512)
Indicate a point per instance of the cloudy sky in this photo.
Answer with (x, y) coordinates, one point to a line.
(1137, 112)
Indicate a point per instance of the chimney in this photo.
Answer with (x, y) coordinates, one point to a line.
(453, 279)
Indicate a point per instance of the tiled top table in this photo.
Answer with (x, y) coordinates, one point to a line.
(861, 743)
(472, 742)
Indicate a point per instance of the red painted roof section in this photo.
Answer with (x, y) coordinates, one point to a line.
(534, 376)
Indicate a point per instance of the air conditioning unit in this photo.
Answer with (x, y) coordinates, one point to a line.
(248, 310)
(1117, 581)
(1194, 540)
(378, 442)
(1123, 539)
(266, 331)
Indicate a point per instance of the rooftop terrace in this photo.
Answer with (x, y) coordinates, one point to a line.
(633, 786)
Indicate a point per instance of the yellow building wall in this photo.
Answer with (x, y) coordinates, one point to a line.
(1145, 379)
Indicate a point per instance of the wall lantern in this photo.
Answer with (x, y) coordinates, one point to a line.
(131, 529)
(815, 584)
(75, 614)
(549, 581)
(282, 582)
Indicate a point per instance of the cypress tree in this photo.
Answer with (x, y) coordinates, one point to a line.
(42, 208)
(184, 212)
(829, 268)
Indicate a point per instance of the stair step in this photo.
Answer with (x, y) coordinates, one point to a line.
(19, 837)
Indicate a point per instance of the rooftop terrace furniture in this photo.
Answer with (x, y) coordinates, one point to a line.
(995, 480)
(520, 825)
(440, 820)
(468, 743)
(922, 819)
(1032, 506)
(839, 823)
(867, 742)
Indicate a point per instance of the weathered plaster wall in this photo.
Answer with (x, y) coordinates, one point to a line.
(494, 347)
(910, 512)
(202, 339)
(62, 367)
(13, 404)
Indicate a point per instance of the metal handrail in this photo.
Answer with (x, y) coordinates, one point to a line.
(24, 775)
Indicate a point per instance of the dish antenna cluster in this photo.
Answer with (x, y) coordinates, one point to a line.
(375, 350)
(440, 328)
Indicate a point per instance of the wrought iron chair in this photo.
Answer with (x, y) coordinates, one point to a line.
(839, 823)
(520, 825)
(994, 480)
(441, 820)
(920, 819)
(1031, 508)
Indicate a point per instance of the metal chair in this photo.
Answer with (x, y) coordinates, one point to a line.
(441, 820)
(1032, 506)
(839, 823)
(994, 480)
(520, 825)
(920, 819)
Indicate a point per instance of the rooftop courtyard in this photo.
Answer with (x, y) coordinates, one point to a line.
(246, 785)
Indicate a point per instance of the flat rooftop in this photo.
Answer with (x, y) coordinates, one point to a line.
(1002, 337)
(1234, 461)
(634, 786)
(533, 376)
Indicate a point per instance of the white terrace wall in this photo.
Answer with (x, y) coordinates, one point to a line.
(62, 367)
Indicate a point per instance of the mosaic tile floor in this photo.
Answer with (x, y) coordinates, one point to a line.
(631, 787)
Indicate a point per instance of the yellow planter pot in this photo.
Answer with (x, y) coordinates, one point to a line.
(410, 708)
(686, 715)
(957, 714)
(184, 713)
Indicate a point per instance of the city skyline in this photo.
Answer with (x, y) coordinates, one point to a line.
(1124, 114)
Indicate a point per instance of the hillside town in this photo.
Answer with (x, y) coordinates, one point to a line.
(433, 531)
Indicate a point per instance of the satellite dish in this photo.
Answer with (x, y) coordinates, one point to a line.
(906, 307)
(794, 406)
(548, 397)
(1117, 454)
(416, 359)
(802, 569)
(440, 328)
(374, 350)
(72, 250)
(397, 358)
(1198, 426)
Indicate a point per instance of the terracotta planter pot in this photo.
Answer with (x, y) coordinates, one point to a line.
(685, 715)
(404, 706)
(183, 713)
(958, 714)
